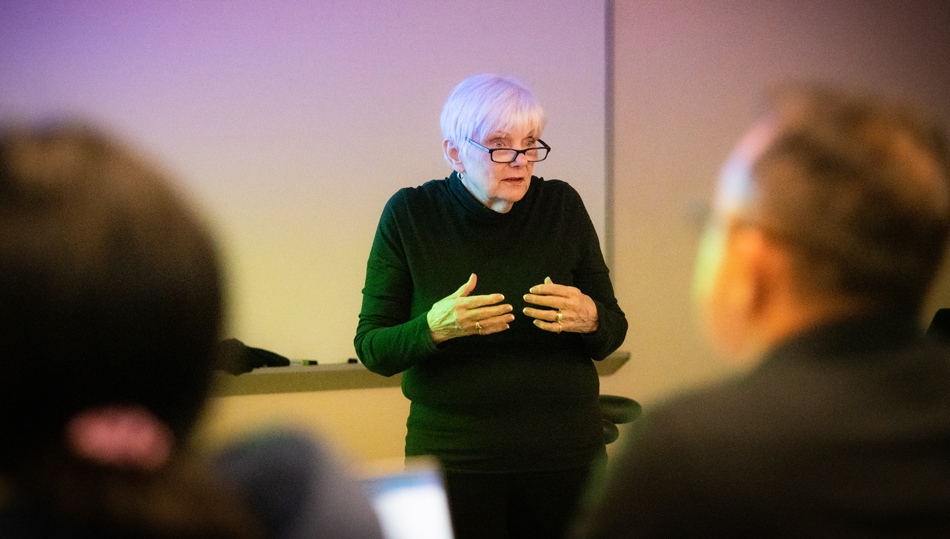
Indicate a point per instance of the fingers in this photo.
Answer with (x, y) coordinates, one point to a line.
(549, 294)
(444, 316)
(495, 311)
(548, 320)
(548, 288)
(460, 314)
(548, 315)
(488, 320)
(561, 308)
(474, 302)
(466, 288)
(495, 324)
(554, 296)
(555, 327)
(553, 302)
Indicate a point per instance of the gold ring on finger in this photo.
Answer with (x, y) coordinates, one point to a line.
(559, 315)
(478, 326)
(559, 327)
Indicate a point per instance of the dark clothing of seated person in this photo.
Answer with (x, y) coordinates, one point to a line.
(829, 225)
(110, 311)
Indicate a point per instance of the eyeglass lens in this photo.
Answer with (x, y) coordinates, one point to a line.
(507, 156)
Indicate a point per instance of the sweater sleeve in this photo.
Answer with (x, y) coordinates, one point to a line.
(593, 278)
(388, 340)
(610, 334)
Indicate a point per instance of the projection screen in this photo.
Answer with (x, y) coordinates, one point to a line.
(291, 123)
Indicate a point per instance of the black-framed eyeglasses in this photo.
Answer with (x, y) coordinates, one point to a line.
(509, 155)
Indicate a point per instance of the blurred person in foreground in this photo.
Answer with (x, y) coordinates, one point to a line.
(110, 310)
(488, 290)
(828, 227)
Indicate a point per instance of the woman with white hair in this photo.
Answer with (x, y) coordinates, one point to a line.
(502, 383)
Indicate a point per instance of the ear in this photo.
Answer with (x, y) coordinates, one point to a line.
(741, 295)
(759, 291)
(752, 253)
(451, 152)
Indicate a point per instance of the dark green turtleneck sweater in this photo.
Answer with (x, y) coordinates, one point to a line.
(521, 399)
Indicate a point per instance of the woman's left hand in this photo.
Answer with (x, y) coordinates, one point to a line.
(569, 309)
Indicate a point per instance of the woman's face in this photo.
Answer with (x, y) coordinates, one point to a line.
(498, 185)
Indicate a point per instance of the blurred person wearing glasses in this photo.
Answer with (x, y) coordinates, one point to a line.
(489, 292)
(829, 225)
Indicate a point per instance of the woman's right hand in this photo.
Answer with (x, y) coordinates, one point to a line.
(459, 314)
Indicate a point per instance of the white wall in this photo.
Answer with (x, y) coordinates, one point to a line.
(293, 122)
(690, 74)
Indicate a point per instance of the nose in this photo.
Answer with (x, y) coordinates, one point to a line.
(520, 160)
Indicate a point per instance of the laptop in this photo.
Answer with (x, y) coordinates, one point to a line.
(411, 503)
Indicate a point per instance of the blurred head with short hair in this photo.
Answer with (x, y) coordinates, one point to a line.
(832, 204)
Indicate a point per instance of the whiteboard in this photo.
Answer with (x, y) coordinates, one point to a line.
(291, 123)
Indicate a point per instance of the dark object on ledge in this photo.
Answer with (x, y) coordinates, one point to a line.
(331, 376)
(237, 358)
(297, 379)
(615, 410)
(940, 325)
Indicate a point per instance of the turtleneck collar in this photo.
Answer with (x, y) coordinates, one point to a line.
(483, 214)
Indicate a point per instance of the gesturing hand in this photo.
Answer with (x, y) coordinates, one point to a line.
(569, 308)
(459, 314)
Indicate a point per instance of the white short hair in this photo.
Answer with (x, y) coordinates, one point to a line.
(487, 103)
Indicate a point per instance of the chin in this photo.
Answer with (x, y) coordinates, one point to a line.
(515, 192)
